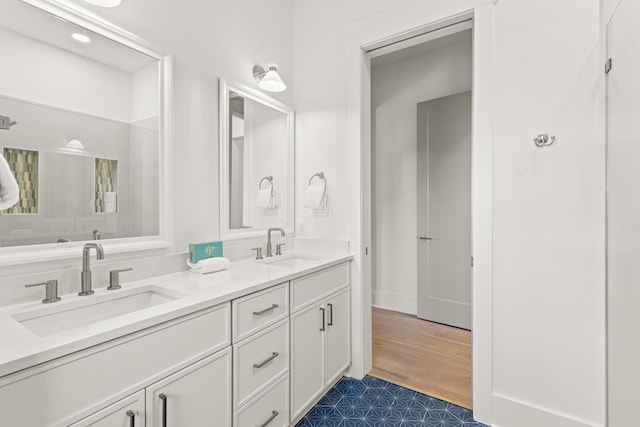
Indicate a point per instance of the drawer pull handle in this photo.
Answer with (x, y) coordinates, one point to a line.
(322, 328)
(273, 416)
(266, 310)
(330, 323)
(132, 418)
(163, 397)
(267, 360)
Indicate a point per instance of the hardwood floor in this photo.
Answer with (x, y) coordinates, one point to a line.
(424, 356)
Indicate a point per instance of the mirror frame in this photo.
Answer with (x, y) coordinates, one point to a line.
(16, 255)
(225, 232)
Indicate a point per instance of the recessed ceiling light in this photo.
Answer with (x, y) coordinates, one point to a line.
(82, 38)
(74, 143)
(105, 3)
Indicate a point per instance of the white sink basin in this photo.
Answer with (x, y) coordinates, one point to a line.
(291, 261)
(83, 311)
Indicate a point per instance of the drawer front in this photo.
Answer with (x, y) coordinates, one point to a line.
(259, 360)
(310, 289)
(269, 409)
(93, 378)
(259, 310)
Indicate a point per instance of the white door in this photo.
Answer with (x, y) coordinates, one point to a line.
(307, 356)
(337, 336)
(199, 395)
(444, 210)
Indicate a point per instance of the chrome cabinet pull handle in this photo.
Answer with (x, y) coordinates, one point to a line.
(323, 320)
(330, 323)
(273, 416)
(132, 418)
(266, 310)
(163, 397)
(267, 360)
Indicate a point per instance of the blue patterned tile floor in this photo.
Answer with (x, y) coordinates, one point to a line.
(376, 403)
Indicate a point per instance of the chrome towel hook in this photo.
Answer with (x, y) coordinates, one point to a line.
(543, 140)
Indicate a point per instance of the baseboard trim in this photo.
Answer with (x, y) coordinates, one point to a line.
(508, 411)
(395, 302)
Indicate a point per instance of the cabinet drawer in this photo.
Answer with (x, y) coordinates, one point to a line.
(258, 360)
(258, 310)
(90, 379)
(269, 409)
(309, 289)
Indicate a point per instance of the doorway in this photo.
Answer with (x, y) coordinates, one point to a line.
(432, 78)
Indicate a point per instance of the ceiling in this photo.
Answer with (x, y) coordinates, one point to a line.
(422, 48)
(29, 21)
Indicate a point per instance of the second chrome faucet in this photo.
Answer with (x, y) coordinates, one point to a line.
(85, 275)
(269, 251)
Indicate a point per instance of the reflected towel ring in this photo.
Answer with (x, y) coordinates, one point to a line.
(268, 178)
(319, 175)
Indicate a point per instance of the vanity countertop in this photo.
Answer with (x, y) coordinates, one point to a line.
(20, 348)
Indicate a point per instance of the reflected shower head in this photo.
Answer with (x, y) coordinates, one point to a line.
(6, 123)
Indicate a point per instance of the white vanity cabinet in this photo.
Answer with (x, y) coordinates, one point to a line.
(261, 359)
(88, 386)
(320, 335)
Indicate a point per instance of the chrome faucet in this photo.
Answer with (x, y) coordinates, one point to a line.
(85, 276)
(269, 252)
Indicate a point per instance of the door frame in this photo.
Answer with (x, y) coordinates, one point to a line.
(359, 178)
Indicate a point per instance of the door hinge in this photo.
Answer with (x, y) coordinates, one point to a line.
(471, 261)
(607, 66)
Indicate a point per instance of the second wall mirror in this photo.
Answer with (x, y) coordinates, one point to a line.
(256, 163)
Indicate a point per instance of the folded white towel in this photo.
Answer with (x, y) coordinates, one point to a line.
(314, 197)
(209, 265)
(110, 202)
(265, 199)
(9, 190)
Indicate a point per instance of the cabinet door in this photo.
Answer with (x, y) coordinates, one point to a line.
(307, 356)
(128, 412)
(199, 395)
(337, 336)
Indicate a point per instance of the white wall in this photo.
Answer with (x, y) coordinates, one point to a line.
(38, 72)
(547, 293)
(396, 89)
(623, 215)
(549, 211)
(145, 102)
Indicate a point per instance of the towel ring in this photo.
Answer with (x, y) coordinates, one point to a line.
(319, 175)
(267, 178)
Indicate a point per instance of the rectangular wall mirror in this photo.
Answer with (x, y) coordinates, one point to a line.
(256, 163)
(89, 102)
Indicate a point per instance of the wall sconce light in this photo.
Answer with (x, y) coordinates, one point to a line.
(269, 79)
